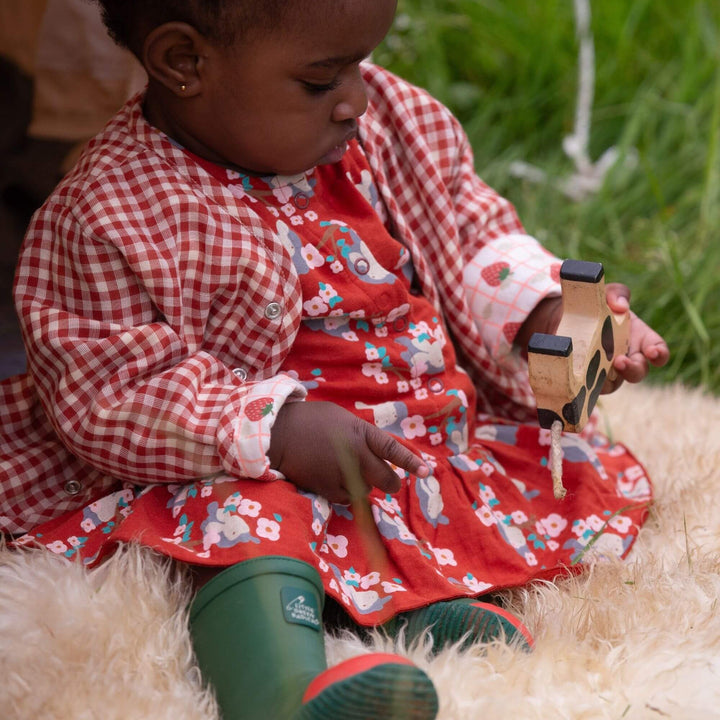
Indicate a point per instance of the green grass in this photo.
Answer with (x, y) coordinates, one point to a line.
(508, 69)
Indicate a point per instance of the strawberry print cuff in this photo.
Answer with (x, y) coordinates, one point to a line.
(503, 283)
(253, 423)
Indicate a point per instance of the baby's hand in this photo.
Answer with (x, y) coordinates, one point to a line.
(325, 449)
(646, 346)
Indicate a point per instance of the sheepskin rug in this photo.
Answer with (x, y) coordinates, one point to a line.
(639, 639)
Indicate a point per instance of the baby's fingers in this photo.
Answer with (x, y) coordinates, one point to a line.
(386, 449)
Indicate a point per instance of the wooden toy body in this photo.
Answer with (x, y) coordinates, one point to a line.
(568, 369)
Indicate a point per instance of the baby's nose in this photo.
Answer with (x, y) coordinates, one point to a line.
(353, 100)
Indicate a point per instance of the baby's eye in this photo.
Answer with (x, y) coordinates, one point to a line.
(319, 88)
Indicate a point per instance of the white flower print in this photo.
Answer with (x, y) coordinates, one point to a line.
(413, 427)
(403, 386)
(338, 544)
(485, 515)
(327, 291)
(337, 267)
(391, 587)
(312, 258)
(58, 547)
(248, 507)
(315, 306)
(475, 585)
(620, 523)
(530, 559)
(595, 523)
(444, 556)
(268, 529)
(552, 525)
(311, 215)
(389, 504)
(350, 336)
(288, 209)
(296, 220)
(369, 580)
(371, 369)
(398, 312)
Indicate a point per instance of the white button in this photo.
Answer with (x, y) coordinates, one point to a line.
(273, 311)
(435, 385)
(362, 266)
(301, 200)
(400, 324)
(240, 373)
(73, 487)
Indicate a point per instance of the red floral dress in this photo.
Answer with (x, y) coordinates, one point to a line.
(484, 519)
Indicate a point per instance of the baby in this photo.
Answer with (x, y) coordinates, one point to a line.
(275, 328)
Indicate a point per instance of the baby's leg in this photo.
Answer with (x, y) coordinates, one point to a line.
(464, 620)
(258, 637)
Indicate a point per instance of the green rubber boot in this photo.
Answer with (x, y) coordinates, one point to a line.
(258, 639)
(465, 619)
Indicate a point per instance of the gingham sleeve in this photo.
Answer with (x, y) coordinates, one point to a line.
(506, 272)
(127, 391)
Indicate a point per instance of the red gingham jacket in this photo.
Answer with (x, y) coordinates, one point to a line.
(154, 304)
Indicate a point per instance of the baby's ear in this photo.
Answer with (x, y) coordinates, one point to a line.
(171, 56)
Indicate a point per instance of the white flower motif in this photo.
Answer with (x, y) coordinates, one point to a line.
(485, 515)
(315, 306)
(58, 547)
(621, 523)
(338, 544)
(371, 369)
(413, 427)
(475, 585)
(268, 529)
(249, 507)
(444, 556)
(327, 291)
(312, 257)
(369, 580)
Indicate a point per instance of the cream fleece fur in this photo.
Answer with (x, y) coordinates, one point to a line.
(639, 639)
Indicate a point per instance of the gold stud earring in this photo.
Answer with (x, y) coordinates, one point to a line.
(183, 87)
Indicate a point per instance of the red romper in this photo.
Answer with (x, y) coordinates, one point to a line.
(484, 519)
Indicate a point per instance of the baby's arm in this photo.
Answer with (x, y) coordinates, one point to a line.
(116, 350)
(324, 448)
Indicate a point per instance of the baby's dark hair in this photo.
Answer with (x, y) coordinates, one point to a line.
(129, 21)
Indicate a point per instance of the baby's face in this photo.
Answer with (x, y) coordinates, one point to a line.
(285, 102)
